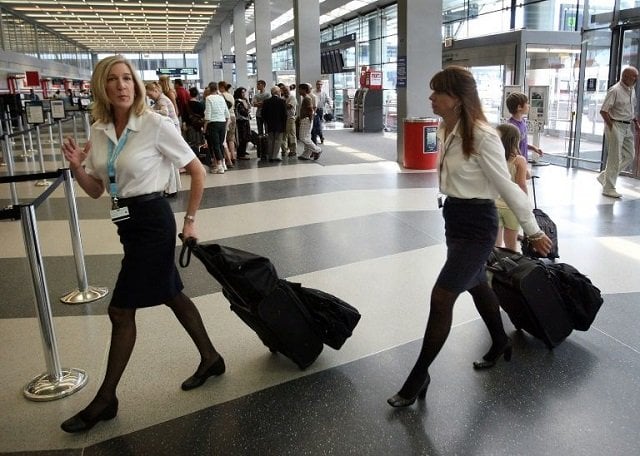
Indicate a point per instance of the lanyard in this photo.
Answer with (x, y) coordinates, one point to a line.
(445, 147)
(114, 152)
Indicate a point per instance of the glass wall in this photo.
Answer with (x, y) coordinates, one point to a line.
(606, 51)
(21, 36)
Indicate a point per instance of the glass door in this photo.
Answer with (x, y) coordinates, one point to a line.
(629, 49)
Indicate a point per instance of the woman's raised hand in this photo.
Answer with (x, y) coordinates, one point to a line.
(73, 153)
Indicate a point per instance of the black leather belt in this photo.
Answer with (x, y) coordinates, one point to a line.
(453, 200)
(628, 122)
(139, 199)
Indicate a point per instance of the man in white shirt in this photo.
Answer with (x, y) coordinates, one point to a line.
(258, 99)
(618, 112)
(290, 134)
(322, 101)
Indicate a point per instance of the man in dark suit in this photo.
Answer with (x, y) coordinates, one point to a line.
(274, 115)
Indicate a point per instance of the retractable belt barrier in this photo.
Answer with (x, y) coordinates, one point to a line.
(57, 382)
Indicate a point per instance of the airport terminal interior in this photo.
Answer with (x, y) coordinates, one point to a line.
(358, 224)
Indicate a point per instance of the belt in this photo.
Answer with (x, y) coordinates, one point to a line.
(628, 122)
(453, 200)
(139, 199)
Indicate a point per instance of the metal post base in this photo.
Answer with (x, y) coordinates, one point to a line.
(42, 183)
(82, 297)
(42, 388)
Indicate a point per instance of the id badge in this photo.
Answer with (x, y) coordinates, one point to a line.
(119, 214)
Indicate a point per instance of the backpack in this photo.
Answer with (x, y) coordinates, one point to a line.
(581, 298)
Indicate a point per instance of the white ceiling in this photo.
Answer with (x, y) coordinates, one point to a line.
(152, 26)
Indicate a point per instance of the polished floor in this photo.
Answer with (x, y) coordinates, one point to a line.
(357, 225)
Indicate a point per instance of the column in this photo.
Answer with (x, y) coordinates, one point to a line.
(240, 46)
(420, 53)
(216, 56)
(204, 61)
(262, 21)
(306, 28)
(225, 37)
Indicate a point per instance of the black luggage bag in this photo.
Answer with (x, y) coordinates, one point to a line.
(263, 147)
(264, 302)
(546, 225)
(528, 296)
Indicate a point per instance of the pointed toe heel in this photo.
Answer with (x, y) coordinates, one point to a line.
(398, 401)
(490, 359)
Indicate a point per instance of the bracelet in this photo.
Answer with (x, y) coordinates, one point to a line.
(189, 219)
(537, 236)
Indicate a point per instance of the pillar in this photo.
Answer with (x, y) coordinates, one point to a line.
(419, 57)
(225, 40)
(262, 21)
(306, 28)
(240, 45)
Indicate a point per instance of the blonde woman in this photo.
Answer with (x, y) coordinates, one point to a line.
(130, 155)
(165, 85)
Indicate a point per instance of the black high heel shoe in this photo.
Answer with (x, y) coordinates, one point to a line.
(489, 360)
(398, 401)
(196, 380)
(80, 422)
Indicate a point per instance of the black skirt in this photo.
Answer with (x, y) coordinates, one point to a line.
(148, 276)
(470, 231)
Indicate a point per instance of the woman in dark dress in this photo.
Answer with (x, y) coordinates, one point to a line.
(130, 155)
(243, 126)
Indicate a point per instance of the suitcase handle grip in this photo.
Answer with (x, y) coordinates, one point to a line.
(187, 246)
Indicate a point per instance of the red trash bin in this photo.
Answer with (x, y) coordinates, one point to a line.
(420, 143)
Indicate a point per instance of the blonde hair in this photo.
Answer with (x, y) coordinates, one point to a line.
(510, 137)
(102, 110)
(165, 84)
(152, 86)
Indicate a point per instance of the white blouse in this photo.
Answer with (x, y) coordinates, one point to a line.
(152, 148)
(483, 175)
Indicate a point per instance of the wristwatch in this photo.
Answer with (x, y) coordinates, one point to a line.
(189, 218)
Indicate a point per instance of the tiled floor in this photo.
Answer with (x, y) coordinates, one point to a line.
(356, 225)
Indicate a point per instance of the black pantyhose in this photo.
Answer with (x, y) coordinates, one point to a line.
(189, 317)
(438, 328)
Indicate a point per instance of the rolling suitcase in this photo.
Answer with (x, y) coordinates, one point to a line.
(528, 296)
(263, 147)
(281, 322)
(546, 224)
(264, 302)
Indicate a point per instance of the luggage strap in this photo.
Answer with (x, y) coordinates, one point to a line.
(187, 247)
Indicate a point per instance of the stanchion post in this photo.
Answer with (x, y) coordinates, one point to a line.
(25, 154)
(53, 148)
(42, 182)
(56, 382)
(84, 293)
(9, 159)
(75, 127)
(87, 124)
(61, 140)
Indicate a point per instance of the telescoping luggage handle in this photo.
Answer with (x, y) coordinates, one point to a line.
(533, 187)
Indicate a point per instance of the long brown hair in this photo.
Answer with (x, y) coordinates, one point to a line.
(101, 110)
(458, 82)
